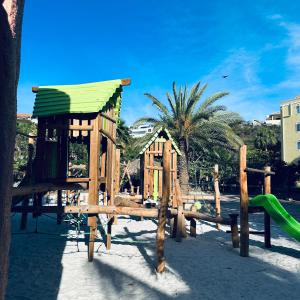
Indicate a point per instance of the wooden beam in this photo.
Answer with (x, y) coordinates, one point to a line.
(44, 187)
(162, 216)
(120, 210)
(217, 193)
(244, 199)
(125, 81)
(35, 89)
(108, 135)
(253, 170)
(108, 117)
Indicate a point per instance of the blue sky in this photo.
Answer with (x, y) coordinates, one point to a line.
(256, 43)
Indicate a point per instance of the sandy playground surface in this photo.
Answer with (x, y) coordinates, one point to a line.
(52, 264)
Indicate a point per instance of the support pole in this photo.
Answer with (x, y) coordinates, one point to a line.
(267, 219)
(244, 202)
(93, 184)
(217, 194)
(162, 215)
(234, 230)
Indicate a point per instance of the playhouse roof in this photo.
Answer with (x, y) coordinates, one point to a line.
(156, 135)
(80, 98)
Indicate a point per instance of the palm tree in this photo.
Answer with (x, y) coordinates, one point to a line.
(123, 133)
(266, 137)
(208, 125)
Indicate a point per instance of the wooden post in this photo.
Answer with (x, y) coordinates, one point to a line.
(217, 194)
(117, 172)
(94, 184)
(244, 199)
(173, 226)
(180, 224)
(162, 215)
(108, 233)
(234, 230)
(267, 219)
(146, 176)
(59, 205)
(193, 228)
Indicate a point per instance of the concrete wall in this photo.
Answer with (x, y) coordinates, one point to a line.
(290, 136)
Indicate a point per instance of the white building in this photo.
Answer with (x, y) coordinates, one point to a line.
(273, 119)
(141, 130)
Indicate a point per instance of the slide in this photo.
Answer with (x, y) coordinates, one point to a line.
(278, 213)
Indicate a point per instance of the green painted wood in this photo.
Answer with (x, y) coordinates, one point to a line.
(81, 98)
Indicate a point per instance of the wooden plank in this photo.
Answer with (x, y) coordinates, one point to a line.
(217, 193)
(94, 154)
(244, 199)
(151, 172)
(108, 233)
(119, 210)
(108, 117)
(75, 133)
(253, 170)
(117, 172)
(160, 236)
(154, 168)
(85, 127)
(126, 81)
(108, 135)
(146, 176)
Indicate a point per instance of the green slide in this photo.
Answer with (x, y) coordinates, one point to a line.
(278, 214)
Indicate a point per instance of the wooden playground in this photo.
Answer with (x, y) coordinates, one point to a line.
(87, 115)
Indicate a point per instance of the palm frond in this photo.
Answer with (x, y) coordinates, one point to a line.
(211, 100)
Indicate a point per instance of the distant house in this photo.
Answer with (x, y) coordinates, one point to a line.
(273, 119)
(290, 130)
(141, 130)
(23, 117)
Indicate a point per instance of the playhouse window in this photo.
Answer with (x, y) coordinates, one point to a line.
(297, 126)
(298, 108)
(298, 145)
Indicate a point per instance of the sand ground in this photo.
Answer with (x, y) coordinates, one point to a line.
(52, 264)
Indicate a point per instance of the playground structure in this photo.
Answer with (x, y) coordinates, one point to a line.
(151, 158)
(87, 114)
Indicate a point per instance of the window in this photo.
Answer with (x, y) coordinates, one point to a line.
(297, 126)
(298, 145)
(298, 108)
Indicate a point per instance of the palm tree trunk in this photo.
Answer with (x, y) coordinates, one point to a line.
(11, 12)
(183, 167)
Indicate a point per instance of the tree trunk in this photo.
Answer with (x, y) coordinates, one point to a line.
(11, 12)
(183, 167)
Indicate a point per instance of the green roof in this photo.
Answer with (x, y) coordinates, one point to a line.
(81, 98)
(156, 136)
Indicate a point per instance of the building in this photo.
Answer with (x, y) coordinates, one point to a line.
(290, 130)
(141, 130)
(25, 118)
(273, 119)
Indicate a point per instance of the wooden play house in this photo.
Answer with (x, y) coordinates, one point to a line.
(151, 158)
(86, 114)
